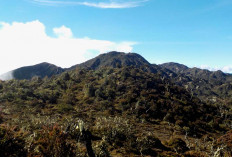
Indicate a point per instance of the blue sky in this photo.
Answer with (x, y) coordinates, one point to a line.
(191, 32)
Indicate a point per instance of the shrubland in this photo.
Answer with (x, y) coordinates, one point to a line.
(122, 111)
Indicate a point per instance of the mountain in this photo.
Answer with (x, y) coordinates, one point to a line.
(114, 59)
(124, 108)
(208, 85)
(218, 76)
(205, 84)
(201, 82)
(175, 67)
(116, 104)
(41, 70)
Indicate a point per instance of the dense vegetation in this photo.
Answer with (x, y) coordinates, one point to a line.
(123, 110)
(213, 86)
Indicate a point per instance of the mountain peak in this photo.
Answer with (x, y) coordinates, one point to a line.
(114, 59)
(114, 53)
(41, 70)
(175, 67)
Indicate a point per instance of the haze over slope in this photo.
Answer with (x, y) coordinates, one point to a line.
(41, 70)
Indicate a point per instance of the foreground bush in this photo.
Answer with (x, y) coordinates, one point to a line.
(224, 144)
(10, 144)
(51, 141)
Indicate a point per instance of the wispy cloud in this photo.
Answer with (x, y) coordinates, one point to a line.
(112, 4)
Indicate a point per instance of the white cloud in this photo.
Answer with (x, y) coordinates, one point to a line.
(112, 4)
(225, 69)
(27, 44)
(208, 67)
(63, 32)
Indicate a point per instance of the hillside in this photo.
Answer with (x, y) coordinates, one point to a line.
(116, 104)
(126, 110)
(208, 85)
(115, 59)
(39, 70)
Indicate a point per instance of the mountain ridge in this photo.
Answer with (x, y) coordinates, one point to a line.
(111, 59)
(114, 59)
(28, 72)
